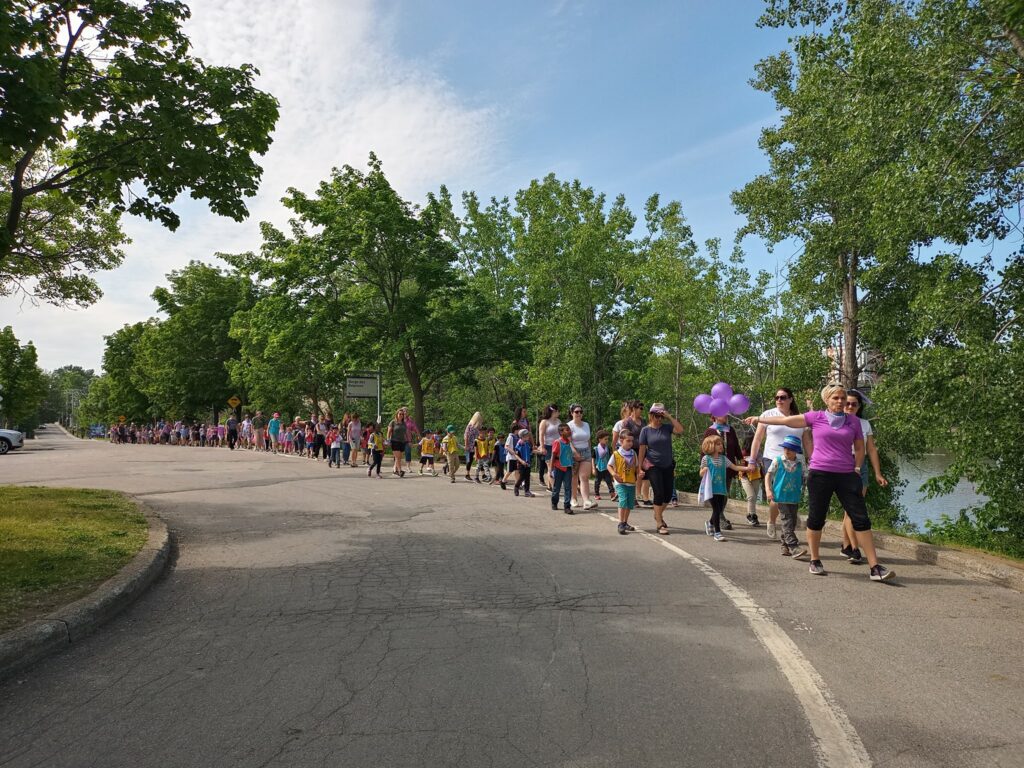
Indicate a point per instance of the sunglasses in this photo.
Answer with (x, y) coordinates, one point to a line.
(578, 411)
(852, 404)
(782, 397)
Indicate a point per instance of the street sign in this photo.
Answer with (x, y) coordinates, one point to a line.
(233, 401)
(122, 419)
(361, 386)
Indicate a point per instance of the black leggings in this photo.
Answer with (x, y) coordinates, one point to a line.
(661, 484)
(847, 487)
(376, 457)
(606, 476)
(542, 466)
(717, 508)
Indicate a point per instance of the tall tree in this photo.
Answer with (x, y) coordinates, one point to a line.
(22, 383)
(103, 110)
(120, 363)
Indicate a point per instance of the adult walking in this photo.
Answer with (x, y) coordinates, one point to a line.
(770, 436)
(469, 437)
(232, 431)
(657, 463)
(632, 421)
(259, 424)
(583, 467)
(398, 435)
(353, 435)
(412, 436)
(834, 471)
(274, 431)
(547, 436)
(855, 406)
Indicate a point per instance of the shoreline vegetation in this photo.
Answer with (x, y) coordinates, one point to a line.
(59, 544)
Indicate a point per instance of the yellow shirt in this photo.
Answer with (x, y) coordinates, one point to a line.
(376, 441)
(427, 447)
(620, 469)
(450, 444)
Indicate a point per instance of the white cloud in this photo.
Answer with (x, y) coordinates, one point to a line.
(344, 91)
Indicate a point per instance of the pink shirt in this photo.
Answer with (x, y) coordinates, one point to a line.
(833, 448)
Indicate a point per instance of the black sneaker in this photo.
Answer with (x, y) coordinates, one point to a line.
(622, 529)
(514, 490)
(554, 507)
(726, 524)
(629, 528)
(753, 520)
(568, 510)
(855, 557)
(846, 552)
(880, 573)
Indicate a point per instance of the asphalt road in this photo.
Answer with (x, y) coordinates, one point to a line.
(316, 617)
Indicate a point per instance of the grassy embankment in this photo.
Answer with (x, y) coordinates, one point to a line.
(58, 544)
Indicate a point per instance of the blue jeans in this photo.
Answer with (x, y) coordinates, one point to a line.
(346, 451)
(561, 478)
(335, 455)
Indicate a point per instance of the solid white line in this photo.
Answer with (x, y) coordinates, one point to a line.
(836, 743)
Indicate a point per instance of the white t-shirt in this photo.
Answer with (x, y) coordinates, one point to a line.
(580, 435)
(865, 427)
(775, 434)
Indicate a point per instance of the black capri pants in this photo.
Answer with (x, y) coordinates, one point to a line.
(847, 487)
(661, 479)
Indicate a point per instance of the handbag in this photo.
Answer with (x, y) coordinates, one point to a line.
(706, 490)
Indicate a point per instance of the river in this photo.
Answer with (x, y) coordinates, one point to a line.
(915, 472)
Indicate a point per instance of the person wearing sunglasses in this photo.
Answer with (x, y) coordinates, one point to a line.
(834, 471)
(584, 464)
(657, 464)
(855, 405)
(771, 437)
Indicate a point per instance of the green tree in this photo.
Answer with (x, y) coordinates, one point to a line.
(22, 383)
(103, 110)
(66, 386)
(183, 360)
(378, 276)
(120, 362)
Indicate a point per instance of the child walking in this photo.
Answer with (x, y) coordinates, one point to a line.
(785, 487)
(334, 440)
(622, 466)
(483, 457)
(450, 446)
(714, 462)
(524, 453)
(375, 445)
(602, 454)
(562, 459)
(427, 452)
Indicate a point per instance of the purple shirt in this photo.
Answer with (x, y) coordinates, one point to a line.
(833, 448)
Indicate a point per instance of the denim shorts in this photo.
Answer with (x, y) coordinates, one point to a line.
(585, 454)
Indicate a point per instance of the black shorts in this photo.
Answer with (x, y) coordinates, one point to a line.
(426, 459)
(661, 479)
(846, 486)
(397, 446)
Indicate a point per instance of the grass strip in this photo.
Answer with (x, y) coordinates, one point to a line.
(58, 544)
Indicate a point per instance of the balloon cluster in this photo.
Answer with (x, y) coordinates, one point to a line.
(722, 401)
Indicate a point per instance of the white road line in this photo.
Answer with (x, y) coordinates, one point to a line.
(837, 744)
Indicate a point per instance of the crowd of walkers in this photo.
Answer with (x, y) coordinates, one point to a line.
(822, 452)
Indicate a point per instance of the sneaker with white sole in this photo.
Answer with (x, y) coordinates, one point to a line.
(708, 529)
(718, 536)
(798, 553)
(816, 568)
(590, 504)
(880, 573)
(771, 530)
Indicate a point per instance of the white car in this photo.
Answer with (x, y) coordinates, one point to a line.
(10, 439)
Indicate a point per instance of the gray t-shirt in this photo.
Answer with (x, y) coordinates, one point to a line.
(659, 444)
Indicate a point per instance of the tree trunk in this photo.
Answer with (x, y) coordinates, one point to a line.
(412, 373)
(849, 371)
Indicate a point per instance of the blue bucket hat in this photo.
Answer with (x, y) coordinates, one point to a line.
(792, 443)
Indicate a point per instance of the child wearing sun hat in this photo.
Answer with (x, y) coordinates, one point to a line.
(785, 484)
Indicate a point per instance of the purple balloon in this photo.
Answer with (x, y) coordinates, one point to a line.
(739, 404)
(721, 391)
(719, 407)
(702, 403)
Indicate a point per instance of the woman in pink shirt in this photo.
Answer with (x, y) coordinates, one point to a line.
(834, 470)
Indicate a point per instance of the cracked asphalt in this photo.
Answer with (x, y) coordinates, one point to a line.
(316, 617)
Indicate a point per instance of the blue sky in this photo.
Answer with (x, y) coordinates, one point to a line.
(629, 98)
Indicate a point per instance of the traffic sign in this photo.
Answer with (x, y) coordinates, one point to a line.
(361, 386)
(122, 419)
(233, 401)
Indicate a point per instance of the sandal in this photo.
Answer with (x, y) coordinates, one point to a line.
(663, 529)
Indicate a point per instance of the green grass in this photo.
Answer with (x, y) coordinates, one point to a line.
(58, 544)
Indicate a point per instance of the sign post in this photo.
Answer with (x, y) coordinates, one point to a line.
(233, 401)
(364, 384)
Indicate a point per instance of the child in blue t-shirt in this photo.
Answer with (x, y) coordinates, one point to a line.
(785, 486)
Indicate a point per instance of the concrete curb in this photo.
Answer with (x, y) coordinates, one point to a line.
(69, 624)
(978, 565)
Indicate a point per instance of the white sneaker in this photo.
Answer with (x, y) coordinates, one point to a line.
(771, 530)
(590, 504)
(574, 504)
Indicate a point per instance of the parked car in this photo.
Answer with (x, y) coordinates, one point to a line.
(10, 439)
